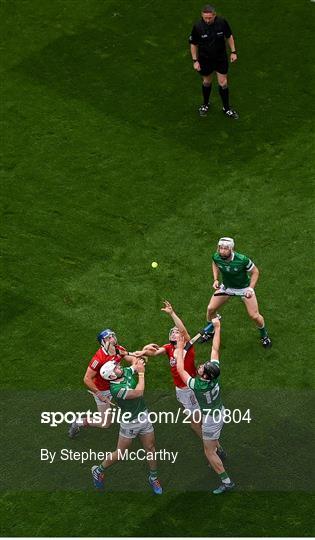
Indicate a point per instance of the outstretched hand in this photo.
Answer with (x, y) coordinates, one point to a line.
(139, 365)
(167, 307)
(147, 349)
(216, 322)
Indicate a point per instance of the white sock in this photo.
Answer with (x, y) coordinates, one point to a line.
(226, 480)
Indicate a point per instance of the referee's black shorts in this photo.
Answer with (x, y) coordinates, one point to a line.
(209, 65)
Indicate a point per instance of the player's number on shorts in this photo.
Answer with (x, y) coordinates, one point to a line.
(212, 394)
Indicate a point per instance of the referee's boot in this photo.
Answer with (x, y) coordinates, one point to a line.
(266, 342)
(231, 113)
(203, 110)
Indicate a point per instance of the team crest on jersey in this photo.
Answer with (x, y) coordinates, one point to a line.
(172, 361)
(235, 269)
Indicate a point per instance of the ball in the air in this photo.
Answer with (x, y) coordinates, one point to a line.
(154, 264)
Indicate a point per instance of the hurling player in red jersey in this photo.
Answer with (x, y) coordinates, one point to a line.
(108, 351)
(184, 395)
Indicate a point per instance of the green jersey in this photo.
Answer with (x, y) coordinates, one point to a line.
(234, 272)
(207, 393)
(119, 391)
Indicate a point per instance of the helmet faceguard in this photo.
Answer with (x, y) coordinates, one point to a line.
(103, 338)
(107, 371)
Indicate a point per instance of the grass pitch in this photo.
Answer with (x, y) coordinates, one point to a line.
(106, 167)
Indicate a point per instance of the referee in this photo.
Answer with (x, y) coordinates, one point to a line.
(208, 50)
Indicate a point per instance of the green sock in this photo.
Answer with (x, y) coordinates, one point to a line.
(225, 477)
(263, 331)
(153, 475)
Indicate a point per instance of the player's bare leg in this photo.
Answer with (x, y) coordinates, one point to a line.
(148, 443)
(123, 444)
(251, 305)
(99, 470)
(216, 301)
(220, 451)
(104, 422)
(210, 449)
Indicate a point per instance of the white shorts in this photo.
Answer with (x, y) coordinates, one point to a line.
(187, 398)
(233, 292)
(211, 428)
(103, 404)
(132, 429)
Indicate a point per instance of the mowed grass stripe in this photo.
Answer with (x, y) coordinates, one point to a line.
(70, 262)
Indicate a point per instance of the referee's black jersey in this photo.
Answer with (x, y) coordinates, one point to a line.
(210, 38)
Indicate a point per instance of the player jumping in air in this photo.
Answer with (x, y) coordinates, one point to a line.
(239, 278)
(206, 388)
(127, 390)
(108, 351)
(183, 394)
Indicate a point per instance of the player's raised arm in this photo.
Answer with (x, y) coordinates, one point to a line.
(168, 308)
(215, 351)
(130, 357)
(184, 375)
(139, 390)
(152, 349)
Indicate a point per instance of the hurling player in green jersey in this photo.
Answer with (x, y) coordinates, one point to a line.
(207, 391)
(127, 390)
(239, 276)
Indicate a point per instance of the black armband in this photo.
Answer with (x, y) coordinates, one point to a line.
(188, 346)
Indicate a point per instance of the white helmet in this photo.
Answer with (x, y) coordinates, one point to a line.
(226, 241)
(107, 370)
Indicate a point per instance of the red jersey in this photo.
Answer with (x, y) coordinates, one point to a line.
(99, 359)
(189, 364)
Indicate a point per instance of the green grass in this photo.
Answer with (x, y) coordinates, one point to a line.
(105, 166)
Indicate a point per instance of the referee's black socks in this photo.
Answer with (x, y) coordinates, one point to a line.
(206, 91)
(224, 93)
